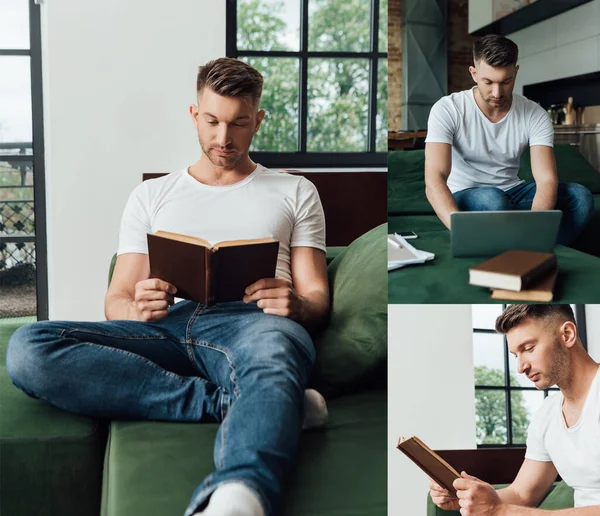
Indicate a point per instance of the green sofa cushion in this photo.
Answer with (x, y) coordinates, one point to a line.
(51, 461)
(325, 480)
(446, 279)
(560, 496)
(571, 166)
(406, 183)
(352, 350)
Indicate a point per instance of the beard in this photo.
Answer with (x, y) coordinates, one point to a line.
(559, 368)
(229, 161)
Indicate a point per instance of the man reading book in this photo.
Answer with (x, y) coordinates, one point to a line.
(245, 364)
(475, 139)
(564, 434)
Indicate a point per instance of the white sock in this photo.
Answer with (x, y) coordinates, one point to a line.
(315, 410)
(233, 499)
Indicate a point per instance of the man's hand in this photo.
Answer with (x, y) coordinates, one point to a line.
(442, 498)
(152, 299)
(476, 497)
(276, 296)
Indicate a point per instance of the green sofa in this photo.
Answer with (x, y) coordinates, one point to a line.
(445, 279)
(55, 463)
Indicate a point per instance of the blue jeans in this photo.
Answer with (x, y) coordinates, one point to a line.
(230, 363)
(574, 200)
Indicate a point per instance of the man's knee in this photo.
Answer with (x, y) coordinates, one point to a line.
(578, 199)
(484, 198)
(26, 354)
(279, 346)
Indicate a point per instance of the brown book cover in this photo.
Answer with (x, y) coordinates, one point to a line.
(542, 291)
(430, 462)
(210, 274)
(512, 270)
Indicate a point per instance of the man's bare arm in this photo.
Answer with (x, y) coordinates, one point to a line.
(132, 295)
(306, 299)
(477, 498)
(543, 166)
(438, 164)
(531, 484)
(309, 274)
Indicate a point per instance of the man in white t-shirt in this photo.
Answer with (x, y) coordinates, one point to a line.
(244, 364)
(564, 435)
(475, 139)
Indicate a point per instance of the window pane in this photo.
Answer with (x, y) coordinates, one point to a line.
(484, 316)
(279, 130)
(383, 25)
(339, 25)
(268, 25)
(14, 24)
(337, 105)
(382, 113)
(523, 405)
(488, 358)
(490, 416)
(15, 100)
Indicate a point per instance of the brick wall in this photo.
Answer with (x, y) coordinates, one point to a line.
(394, 65)
(459, 55)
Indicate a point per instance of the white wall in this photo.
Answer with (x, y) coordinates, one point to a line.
(430, 392)
(592, 323)
(118, 79)
(480, 14)
(562, 46)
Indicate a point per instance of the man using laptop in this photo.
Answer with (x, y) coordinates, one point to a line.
(564, 434)
(244, 364)
(475, 139)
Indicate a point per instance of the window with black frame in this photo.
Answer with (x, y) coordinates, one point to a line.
(325, 69)
(504, 399)
(23, 274)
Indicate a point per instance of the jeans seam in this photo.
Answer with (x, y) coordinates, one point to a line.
(188, 333)
(236, 393)
(232, 376)
(65, 332)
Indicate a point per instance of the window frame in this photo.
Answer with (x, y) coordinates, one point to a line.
(507, 388)
(303, 158)
(37, 158)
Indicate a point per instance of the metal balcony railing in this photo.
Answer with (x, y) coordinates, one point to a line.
(17, 217)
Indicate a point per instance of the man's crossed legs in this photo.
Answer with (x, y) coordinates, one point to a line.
(231, 364)
(574, 200)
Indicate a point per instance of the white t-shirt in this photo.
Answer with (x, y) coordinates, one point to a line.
(486, 153)
(266, 204)
(575, 451)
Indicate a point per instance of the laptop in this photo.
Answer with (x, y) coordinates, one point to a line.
(488, 233)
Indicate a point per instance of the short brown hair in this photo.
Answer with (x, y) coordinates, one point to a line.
(516, 314)
(497, 51)
(230, 78)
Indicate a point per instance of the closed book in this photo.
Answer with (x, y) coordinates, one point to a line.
(430, 462)
(512, 270)
(210, 274)
(542, 291)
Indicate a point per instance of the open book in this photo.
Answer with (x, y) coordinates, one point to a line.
(210, 274)
(430, 462)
